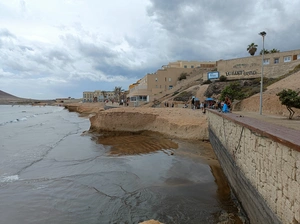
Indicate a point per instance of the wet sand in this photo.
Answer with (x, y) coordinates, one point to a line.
(125, 143)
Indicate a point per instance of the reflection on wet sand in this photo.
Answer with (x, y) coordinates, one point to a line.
(123, 143)
(186, 183)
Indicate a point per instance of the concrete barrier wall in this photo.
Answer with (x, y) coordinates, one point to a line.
(262, 164)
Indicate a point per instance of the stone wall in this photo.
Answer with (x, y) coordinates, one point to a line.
(262, 164)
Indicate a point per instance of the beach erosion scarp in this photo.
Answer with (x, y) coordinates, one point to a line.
(181, 123)
(85, 109)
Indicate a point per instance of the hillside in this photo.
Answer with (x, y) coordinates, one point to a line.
(271, 102)
(7, 96)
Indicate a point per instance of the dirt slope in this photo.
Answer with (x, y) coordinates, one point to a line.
(271, 102)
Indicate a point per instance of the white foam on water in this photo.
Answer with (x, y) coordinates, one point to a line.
(23, 119)
(9, 178)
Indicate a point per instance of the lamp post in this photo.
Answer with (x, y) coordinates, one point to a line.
(263, 34)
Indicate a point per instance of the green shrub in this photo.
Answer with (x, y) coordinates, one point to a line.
(175, 93)
(182, 76)
(184, 96)
(233, 91)
(207, 82)
(223, 78)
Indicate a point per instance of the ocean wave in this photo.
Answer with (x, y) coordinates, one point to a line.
(15, 120)
(6, 179)
(25, 118)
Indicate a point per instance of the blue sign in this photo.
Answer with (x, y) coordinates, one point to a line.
(213, 75)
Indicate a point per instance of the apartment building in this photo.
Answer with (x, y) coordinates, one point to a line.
(275, 65)
(190, 64)
(98, 96)
(165, 79)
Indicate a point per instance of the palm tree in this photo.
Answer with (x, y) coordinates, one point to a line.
(274, 51)
(252, 48)
(265, 51)
(117, 92)
(104, 93)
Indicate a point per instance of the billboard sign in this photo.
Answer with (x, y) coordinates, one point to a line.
(213, 75)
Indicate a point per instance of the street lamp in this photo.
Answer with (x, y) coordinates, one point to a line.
(263, 34)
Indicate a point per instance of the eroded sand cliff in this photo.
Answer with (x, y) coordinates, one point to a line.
(171, 122)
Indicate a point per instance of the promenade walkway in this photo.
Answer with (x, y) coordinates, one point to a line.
(274, 119)
(278, 128)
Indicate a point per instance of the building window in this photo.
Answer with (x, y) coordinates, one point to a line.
(156, 79)
(192, 66)
(156, 86)
(170, 79)
(142, 98)
(276, 60)
(185, 66)
(170, 87)
(266, 61)
(287, 59)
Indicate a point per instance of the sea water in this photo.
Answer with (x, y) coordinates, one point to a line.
(50, 172)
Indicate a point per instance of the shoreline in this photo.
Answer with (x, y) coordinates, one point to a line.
(181, 123)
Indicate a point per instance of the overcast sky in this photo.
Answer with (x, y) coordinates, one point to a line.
(60, 48)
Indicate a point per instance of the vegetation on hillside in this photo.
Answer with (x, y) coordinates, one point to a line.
(233, 91)
(245, 88)
(223, 78)
(183, 96)
(290, 99)
(182, 76)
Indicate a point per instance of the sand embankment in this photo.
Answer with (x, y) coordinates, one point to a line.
(85, 109)
(171, 122)
(180, 123)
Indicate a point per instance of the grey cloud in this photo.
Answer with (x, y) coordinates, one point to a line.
(23, 6)
(25, 48)
(94, 51)
(90, 50)
(213, 29)
(32, 59)
(59, 55)
(6, 33)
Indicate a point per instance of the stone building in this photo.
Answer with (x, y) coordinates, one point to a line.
(274, 65)
(98, 96)
(166, 78)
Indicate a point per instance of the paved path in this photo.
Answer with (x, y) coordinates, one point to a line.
(274, 119)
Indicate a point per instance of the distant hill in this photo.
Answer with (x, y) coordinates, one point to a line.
(7, 96)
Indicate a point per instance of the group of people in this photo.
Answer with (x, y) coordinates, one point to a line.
(167, 104)
(222, 106)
